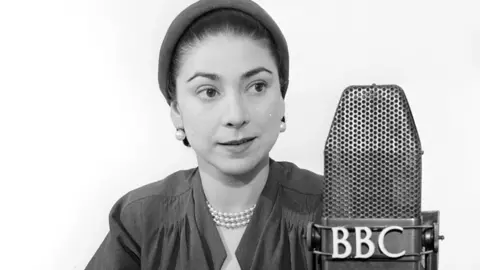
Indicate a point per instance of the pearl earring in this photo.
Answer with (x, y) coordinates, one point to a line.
(283, 126)
(180, 134)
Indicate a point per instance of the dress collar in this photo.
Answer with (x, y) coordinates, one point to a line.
(212, 243)
(263, 215)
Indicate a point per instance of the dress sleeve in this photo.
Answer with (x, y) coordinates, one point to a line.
(120, 249)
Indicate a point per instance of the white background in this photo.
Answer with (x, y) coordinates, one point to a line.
(83, 120)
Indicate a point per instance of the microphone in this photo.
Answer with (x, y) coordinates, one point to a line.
(372, 216)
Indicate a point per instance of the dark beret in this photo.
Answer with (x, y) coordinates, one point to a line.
(181, 23)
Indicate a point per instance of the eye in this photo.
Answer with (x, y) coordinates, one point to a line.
(258, 87)
(207, 93)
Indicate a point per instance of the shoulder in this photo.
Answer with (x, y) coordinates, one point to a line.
(173, 185)
(300, 180)
(301, 194)
(139, 202)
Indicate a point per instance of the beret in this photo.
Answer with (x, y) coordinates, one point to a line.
(188, 16)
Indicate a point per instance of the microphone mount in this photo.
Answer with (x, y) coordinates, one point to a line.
(430, 238)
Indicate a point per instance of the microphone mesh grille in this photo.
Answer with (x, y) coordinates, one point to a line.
(373, 156)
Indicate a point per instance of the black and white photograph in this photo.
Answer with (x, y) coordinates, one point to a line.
(239, 134)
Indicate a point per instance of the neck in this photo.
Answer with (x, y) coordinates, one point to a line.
(233, 193)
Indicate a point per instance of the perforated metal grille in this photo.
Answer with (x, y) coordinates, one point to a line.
(373, 156)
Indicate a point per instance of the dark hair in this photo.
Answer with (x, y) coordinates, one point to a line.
(217, 22)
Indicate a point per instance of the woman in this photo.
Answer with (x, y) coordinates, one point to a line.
(224, 72)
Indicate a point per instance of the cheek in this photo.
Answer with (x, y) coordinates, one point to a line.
(198, 123)
(269, 115)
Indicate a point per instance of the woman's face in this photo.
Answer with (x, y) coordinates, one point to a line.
(229, 102)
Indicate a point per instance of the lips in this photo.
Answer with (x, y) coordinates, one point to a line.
(238, 142)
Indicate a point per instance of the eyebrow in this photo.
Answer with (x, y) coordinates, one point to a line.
(215, 77)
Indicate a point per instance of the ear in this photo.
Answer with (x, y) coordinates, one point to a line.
(176, 115)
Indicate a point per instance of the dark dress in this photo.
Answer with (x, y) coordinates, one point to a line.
(167, 225)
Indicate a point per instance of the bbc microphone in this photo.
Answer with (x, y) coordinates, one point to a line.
(372, 217)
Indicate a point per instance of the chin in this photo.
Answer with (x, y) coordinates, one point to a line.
(238, 166)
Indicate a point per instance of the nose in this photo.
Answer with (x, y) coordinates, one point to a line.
(236, 113)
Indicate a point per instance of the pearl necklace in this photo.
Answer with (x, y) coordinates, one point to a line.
(231, 220)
